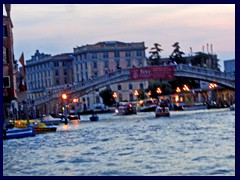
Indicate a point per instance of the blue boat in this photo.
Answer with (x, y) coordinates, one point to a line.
(18, 133)
(94, 117)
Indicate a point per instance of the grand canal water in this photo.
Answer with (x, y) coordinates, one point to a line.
(187, 143)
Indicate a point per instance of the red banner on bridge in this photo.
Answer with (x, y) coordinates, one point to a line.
(159, 72)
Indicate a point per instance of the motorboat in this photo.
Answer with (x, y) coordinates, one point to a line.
(148, 105)
(49, 120)
(39, 127)
(232, 107)
(126, 109)
(73, 116)
(94, 117)
(162, 111)
(18, 133)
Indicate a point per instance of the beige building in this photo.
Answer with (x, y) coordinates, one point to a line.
(46, 73)
(105, 57)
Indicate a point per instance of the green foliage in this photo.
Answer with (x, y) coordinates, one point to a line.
(155, 54)
(165, 87)
(107, 96)
(177, 54)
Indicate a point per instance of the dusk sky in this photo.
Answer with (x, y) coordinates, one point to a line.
(58, 28)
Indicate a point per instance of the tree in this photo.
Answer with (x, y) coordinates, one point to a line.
(177, 54)
(200, 59)
(165, 87)
(155, 57)
(107, 96)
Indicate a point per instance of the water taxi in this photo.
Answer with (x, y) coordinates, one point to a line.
(18, 133)
(162, 111)
(39, 127)
(126, 109)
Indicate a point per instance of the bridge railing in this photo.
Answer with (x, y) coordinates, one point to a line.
(125, 72)
(204, 71)
(82, 85)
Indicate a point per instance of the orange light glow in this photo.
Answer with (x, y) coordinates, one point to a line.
(64, 96)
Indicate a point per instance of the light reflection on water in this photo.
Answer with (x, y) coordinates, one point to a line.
(186, 143)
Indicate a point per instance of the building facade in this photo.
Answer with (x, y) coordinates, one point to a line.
(229, 66)
(10, 70)
(102, 58)
(10, 66)
(46, 74)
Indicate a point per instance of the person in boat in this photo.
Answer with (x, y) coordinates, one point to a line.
(163, 104)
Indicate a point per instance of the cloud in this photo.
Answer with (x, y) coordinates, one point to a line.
(60, 27)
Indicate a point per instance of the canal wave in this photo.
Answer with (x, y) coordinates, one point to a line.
(186, 143)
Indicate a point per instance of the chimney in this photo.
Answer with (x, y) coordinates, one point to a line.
(211, 47)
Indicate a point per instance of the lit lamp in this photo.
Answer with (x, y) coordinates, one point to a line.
(213, 86)
(64, 97)
(159, 91)
(186, 88)
(136, 93)
(115, 95)
(178, 90)
(75, 100)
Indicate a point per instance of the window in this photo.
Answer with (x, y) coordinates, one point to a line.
(128, 62)
(65, 80)
(5, 31)
(94, 55)
(56, 72)
(128, 54)
(119, 87)
(139, 53)
(98, 99)
(116, 54)
(95, 65)
(55, 64)
(141, 86)
(131, 97)
(57, 82)
(65, 71)
(95, 74)
(130, 86)
(120, 97)
(81, 66)
(64, 63)
(6, 81)
(106, 64)
(117, 63)
(105, 55)
(4, 54)
(7, 57)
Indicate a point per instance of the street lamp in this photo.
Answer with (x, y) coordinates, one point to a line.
(159, 91)
(178, 90)
(75, 100)
(64, 97)
(115, 95)
(186, 88)
(136, 93)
